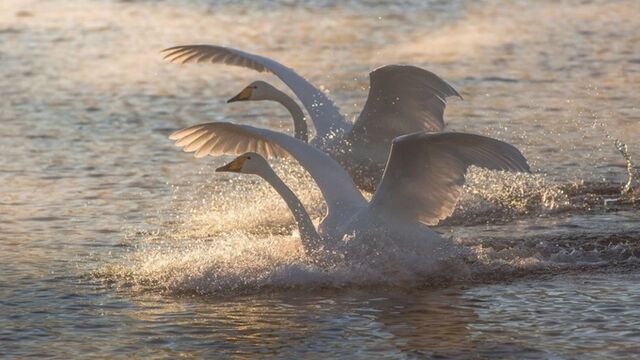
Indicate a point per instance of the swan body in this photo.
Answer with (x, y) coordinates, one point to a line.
(421, 184)
(402, 99)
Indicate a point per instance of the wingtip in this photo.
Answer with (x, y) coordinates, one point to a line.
(170, 49)
(176, 47)
(452, 90)
(522, 164)
(174, 52)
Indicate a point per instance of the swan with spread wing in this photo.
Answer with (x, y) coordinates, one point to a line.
(402, 99)
(421, 184)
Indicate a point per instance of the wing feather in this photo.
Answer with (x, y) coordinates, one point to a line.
(325, 115)
(425, 172)
(197, 143)
(180, 134)
(206, 148)
(191, 137)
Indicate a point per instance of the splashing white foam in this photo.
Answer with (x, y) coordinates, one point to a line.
(238, 263)
(241, 262)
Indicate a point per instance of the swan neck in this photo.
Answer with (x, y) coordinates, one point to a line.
(310, 239)
(299, 122)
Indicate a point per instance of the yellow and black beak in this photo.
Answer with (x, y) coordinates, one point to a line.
(245, 94)
(234, 166)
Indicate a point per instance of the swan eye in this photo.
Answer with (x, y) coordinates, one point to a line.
(248, 157)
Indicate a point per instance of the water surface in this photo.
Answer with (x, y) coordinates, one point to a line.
(115, 243)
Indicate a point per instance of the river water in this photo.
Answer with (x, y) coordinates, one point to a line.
(114, 243)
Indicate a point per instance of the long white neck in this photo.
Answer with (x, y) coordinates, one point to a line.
(299, 122)
(310, 238)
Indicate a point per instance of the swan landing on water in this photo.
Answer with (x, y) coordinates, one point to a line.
(421, 184)
(402, 99)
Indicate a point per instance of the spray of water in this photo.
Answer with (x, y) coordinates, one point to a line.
(632, 186)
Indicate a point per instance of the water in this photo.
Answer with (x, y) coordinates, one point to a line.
(115, 243)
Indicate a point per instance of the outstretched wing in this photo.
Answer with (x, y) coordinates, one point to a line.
(425, 172)
(403, 99)
(324, 114)
(219, 138)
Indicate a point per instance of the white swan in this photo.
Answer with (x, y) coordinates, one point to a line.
(402, 99)
(420, 186)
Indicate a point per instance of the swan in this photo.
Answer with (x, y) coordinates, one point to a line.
(421, 184)
(402, 99)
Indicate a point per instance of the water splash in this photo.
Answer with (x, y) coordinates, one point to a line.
(239, 262)
(629, 190)
(519, 191)
(491, 197)
(633, 183)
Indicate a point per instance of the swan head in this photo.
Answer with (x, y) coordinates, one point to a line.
(257, 90)
(247, 163)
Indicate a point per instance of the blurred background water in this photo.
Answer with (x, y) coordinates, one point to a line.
(114, 243)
